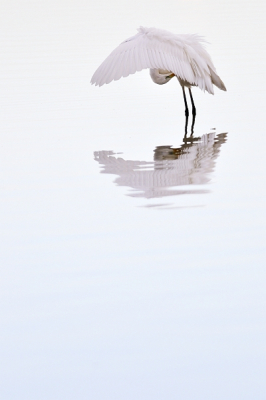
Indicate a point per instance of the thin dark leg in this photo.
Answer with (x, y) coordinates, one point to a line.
(186, 125)
(193, 123)
(185, 101)
(192, 102)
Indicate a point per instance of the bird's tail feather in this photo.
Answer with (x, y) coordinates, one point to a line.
(216, 80)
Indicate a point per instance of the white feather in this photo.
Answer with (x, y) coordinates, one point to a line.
(181, 55)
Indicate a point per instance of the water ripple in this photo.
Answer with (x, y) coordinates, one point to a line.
(190, 164)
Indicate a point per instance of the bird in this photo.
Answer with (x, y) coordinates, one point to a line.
(167, 55)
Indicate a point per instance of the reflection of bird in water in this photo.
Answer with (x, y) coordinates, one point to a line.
(166, 55)
(190, 164)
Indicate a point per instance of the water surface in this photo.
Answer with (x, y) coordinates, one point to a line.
(132, 258)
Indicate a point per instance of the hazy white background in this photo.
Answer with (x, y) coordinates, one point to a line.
(103, 297)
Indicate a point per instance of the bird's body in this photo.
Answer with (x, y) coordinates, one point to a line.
(166, 55)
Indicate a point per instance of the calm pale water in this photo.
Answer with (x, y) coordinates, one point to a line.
(133, 260)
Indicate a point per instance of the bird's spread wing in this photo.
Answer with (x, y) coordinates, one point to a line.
(184, 55)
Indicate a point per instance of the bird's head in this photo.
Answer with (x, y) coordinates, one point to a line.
(160, 76)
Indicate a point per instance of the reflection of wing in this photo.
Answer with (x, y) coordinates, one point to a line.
(190, 164)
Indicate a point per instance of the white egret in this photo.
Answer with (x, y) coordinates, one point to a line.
(166, 55)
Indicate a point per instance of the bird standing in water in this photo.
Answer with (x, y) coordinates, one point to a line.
(166, 55)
